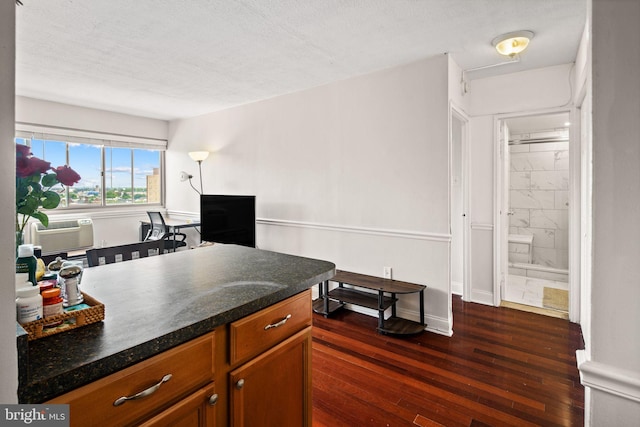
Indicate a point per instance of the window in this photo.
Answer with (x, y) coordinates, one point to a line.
(113, 172)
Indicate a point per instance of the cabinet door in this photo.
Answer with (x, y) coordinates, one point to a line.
(197, 410)
(274, 389)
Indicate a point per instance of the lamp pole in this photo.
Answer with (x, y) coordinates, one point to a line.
(200, 171)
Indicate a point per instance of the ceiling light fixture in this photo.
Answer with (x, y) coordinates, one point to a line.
(511, 44)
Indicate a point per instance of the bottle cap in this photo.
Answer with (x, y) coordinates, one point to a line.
(25, 251)
(27, 291)
(51, 293)
(44, 285)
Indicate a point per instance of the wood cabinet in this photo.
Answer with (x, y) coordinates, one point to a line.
(274, 389)
(267, 371)
(195, 410)
(137, 393)
(255, 371)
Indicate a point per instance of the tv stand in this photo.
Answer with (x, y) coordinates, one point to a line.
(387, 291)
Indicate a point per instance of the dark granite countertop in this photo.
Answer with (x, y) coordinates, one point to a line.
(153, 304)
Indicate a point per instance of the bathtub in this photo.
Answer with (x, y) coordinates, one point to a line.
(538, 271)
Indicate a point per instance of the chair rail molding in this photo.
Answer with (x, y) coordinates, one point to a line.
(607, 378)
(406, 234)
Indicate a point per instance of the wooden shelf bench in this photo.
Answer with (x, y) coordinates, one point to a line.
(386, 297)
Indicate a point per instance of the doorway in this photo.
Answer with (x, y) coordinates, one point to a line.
(535, 213)
(458, 204)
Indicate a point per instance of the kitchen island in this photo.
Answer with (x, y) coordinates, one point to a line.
(155, 304)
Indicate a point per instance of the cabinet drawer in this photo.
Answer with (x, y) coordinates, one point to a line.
(190, 366)
(262, 330)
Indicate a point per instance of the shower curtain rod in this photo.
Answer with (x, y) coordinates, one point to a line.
(536, 140)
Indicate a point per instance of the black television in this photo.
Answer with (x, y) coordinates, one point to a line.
(228, 219)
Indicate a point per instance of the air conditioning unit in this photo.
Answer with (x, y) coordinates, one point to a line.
(63, 236)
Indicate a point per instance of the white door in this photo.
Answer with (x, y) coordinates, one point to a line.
(458, 208)
(501, 235)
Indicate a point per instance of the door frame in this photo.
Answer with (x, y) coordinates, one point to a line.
(457, 113)
(500, 240)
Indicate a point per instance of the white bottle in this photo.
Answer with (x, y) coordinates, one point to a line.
(28, 303)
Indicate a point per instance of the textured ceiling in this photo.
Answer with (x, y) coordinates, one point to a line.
(170, 59)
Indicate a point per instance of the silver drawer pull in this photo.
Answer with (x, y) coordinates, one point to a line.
(280, 323)
(144, 393)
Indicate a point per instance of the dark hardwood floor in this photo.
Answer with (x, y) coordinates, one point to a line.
(501, 367)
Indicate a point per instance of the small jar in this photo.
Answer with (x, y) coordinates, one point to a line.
(28, 304)
(69, 277)
(51, 305)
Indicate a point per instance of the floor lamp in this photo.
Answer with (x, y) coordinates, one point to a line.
(197, 156)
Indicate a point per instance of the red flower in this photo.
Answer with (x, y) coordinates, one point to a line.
(66, 175)
(22, 150)
(26, 166)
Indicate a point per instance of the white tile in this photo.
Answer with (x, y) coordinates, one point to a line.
(555, 277)
(519, 258)
(533, 161)
(550, 146)
(519, 148)
(561, 160)
(549, 218)
(563, 258)
(562, 239)
(544, 160)
(513, 294)
(517, 271)
(520, 180)
(519, 248)
(534, 199)
(561, 200)
(545, 256)
(549, 180)
(544, 237)
(520, 218)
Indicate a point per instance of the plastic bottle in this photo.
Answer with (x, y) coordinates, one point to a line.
(51, 305)
(28, 304)
(27, 264)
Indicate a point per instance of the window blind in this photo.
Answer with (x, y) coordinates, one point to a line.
(32, 131)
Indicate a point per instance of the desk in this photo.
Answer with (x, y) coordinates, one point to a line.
(174, 226)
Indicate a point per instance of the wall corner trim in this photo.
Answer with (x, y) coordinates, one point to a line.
(609, 379)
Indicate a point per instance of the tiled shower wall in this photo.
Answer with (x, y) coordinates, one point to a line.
(539, 199)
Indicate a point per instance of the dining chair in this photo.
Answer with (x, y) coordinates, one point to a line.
(112, 254)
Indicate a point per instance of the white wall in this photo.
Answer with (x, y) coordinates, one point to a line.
(47, 113)
(359, 166)
(526, 91)
(615, 312)
(8, 356)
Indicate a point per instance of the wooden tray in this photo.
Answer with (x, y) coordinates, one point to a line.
(70, 320)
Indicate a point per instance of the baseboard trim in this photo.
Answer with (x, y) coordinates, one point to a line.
(404, 234)
(482, 297)
(456, 288)
(609, 379)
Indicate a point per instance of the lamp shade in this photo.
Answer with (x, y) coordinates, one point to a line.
(511, 44)
(198, 156)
